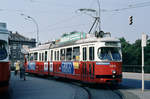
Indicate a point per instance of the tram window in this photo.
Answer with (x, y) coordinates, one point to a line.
(42, 56)
(51, 55)
(35, 56)
(27, 57)
(55, 55)
(76, 53)
(84, 53)
(91, 53)
(58, 55)
(39, 56)
(69, 54)
(45, 55)
(3, 51)
(31, 56)
(62, 54)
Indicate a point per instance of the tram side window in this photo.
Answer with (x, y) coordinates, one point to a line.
(35, 56)
(55, 55)
(58, 55)
(91, 53)
(84, 53)
(51, 55)
(3, 51)
(39, 56)
(31, 56)
(62, 54)
(42, 56)
(76, 53)
(45, 55)
(69, 54)
(27, 57)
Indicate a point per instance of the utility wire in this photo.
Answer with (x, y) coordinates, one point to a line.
(64, 21)
(138, 5)
(70, 26)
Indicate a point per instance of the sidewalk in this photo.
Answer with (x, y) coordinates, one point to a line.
(132, 84)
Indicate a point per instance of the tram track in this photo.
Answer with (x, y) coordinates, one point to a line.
(79, 87)
(84, 88)
(91, 95)
(117, 92)
(89, 89)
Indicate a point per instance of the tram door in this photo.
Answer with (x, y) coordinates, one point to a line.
(91, 62)
(84, 63)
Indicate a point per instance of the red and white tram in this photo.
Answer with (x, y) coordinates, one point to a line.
(4, 58)
(78, 56)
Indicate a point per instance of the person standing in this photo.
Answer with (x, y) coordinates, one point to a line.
(17, 67)
(22, 71)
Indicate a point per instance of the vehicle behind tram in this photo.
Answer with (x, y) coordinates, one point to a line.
(4, 58)
(78, 56)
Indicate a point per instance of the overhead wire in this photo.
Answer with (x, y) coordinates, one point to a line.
(131, 6)
(64, 21)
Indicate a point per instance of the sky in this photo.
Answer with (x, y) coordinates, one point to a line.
(55, 17)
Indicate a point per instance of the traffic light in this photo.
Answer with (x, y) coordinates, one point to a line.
(130, 20)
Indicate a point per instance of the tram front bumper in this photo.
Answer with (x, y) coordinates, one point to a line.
(108, 78)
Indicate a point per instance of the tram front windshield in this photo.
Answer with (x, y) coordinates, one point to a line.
(3, 51)
(109, 53)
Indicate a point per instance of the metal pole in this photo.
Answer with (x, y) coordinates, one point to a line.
(93, 25)
(37, 27)
(142, 68)
(143, 43)
(99, 14)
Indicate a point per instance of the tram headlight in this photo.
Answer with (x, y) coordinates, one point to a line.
(113, 72)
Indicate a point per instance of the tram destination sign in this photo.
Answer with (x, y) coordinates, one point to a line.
(72, 37)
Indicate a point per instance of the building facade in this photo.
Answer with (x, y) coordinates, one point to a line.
(17, 43)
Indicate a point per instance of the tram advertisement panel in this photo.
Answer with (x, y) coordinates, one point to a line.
(67, 67)
(31, 66)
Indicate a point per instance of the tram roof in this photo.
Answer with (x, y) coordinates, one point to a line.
(89, 39)
(41, 47)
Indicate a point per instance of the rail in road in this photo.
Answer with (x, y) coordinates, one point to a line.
(90, 91)
(44, 88)
(102, 91)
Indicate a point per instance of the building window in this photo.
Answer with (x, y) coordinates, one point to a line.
(84, 53)
(62, 54)
(69, 54)
(76, 53)
(91, 53)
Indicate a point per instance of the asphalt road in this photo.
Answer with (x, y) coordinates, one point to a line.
(43, 88)
(49, 88)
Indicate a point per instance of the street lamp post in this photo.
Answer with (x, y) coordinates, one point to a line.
(37, 27)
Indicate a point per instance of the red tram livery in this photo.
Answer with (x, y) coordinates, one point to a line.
(4, 58)
(78, 56)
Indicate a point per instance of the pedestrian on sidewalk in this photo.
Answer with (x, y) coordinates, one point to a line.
(17, 67)
(22, 71)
